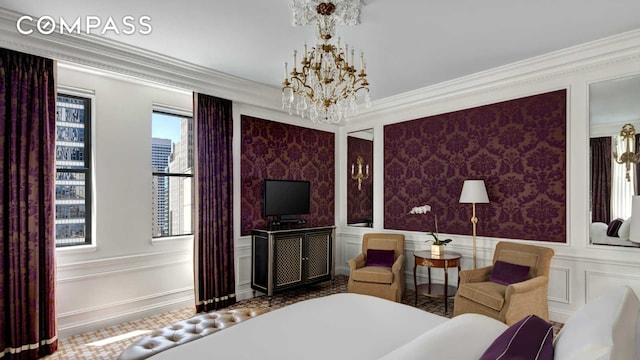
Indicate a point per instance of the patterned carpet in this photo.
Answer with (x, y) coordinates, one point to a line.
(109, 342)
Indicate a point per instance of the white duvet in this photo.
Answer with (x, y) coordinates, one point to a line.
(599, 236)
(345, 326)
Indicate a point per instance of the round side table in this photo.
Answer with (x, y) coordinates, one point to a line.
(444, 261)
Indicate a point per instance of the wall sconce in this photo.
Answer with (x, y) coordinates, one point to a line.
(629, 157)
(359, 176)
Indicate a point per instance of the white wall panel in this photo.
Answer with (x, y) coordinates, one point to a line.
(600, 282)
(559, 285)
(93, 294)
(244, 270)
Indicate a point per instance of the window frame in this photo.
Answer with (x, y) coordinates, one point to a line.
(179, 113)
(88, 97)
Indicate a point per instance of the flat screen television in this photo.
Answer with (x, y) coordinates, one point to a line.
(286, 197)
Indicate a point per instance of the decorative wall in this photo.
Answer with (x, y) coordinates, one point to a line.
(272, 150)
(518, 147)
(359, 202)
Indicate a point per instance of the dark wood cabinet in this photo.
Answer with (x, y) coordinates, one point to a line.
(283, 259)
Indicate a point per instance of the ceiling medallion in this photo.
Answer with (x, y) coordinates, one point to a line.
(346, 12)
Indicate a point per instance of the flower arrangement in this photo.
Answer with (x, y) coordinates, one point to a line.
(424, 209)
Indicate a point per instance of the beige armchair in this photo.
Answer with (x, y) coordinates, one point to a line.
(507, 303)
(384, 282)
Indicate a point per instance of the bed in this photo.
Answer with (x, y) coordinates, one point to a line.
(353, 326)
(599, 235)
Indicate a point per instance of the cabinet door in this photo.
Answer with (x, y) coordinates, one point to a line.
(318, 255)
(260, 262)
(287, 260)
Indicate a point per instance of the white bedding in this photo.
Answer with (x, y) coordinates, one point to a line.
(340, 326)
(599, 236)
(352, 326)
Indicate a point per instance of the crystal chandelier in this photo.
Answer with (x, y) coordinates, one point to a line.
(327, 87)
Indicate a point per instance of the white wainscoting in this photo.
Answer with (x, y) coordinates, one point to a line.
(559, 284)
(599, 282)
(97, 293)
(93, 294)
(242, 257)
(573, 279)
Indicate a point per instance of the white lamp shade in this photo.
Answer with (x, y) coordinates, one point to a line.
(474, 192)
(634, 230)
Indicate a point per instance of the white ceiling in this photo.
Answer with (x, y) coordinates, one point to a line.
(615, 101)
(408, 44)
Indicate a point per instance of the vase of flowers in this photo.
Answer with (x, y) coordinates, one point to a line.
(437, 246)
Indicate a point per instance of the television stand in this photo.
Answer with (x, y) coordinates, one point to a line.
(288, 258)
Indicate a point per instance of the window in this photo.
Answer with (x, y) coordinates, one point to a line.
(73, 171)
(172, 167)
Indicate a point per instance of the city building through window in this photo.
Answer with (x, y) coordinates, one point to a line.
(73, 171)
(172, 166)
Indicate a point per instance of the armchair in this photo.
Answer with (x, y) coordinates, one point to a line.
(507, 303)
(384, 282)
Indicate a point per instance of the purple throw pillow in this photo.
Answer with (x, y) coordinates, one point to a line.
(507, 273)
(529, 338)
(377, 257)
(614, 226)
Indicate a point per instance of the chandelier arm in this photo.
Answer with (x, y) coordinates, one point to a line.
(302, 84)
(363, 83)
(361, 88)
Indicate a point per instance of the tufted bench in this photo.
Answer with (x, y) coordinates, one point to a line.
(185, 331)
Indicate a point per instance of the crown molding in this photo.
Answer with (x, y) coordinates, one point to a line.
(104, 54)
(592, 56)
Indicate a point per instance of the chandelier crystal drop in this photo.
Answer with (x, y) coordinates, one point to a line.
(326, 87)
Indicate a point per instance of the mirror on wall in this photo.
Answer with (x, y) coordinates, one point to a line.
(614, 141)
(360, 178)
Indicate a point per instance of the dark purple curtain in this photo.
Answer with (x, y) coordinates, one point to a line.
(27, 162)
(213, 249)
(601, 179)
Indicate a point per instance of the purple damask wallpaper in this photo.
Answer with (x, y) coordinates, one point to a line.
(273, 150)
(359, 202)
(518, 147)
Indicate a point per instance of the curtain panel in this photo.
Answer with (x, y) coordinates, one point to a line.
(601, 179)
(622, 189)
(27, 162)
(213, 249)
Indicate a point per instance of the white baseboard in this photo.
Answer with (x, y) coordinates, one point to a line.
(559, 316)
(244, 294)
(89, 322)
